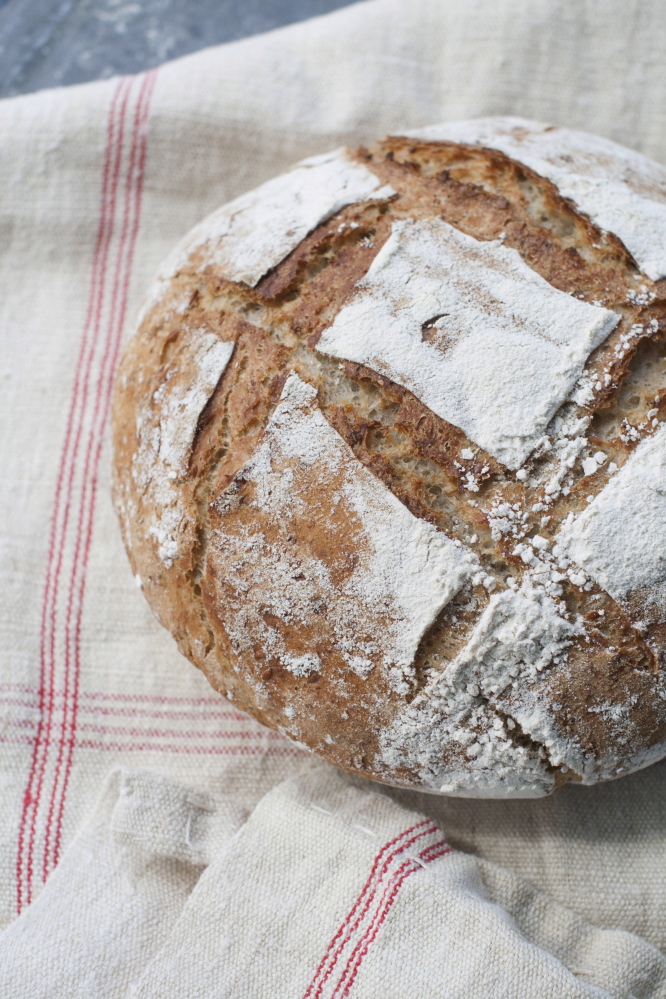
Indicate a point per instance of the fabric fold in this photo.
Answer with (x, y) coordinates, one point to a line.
(331, 890)
(328, 890)
(110, 904)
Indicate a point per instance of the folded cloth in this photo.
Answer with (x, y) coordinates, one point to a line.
(328, 889)
(98, 182)
(111, 902)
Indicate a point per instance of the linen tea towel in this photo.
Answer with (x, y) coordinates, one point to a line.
(99, 182)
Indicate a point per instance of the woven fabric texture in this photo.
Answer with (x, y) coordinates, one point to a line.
(328, 890)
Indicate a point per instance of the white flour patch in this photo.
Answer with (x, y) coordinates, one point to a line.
(622, 191)
(328, 564)
(620, 538)
(506, 518)
(472, 331)
(535, 714)
(249, 236)
(520, 633)
(181, 402)
(564, 445)
(165, 444)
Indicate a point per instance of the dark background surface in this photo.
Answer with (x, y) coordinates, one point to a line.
(49, 43)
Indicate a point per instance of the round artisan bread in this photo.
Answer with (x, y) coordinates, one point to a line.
(389, 459)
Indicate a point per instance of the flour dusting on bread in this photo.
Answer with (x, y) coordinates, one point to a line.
(317, 563)
(520, 633)
(472, 331)
(165, 444)
(181, 402)
(252, 234)
(620, 538)
(622, 191)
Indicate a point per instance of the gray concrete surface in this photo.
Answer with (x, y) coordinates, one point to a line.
(48, 43)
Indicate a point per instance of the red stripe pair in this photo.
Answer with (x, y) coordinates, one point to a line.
(393, 864)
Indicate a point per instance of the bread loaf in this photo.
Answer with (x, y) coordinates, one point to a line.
(390, 462)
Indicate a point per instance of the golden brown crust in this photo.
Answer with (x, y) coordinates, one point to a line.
(606, 696)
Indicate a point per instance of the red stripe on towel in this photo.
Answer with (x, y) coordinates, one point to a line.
(59, 523)
(76, 486)
(119, 298)
(379, 867)
(392, 865)
(388, 898)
